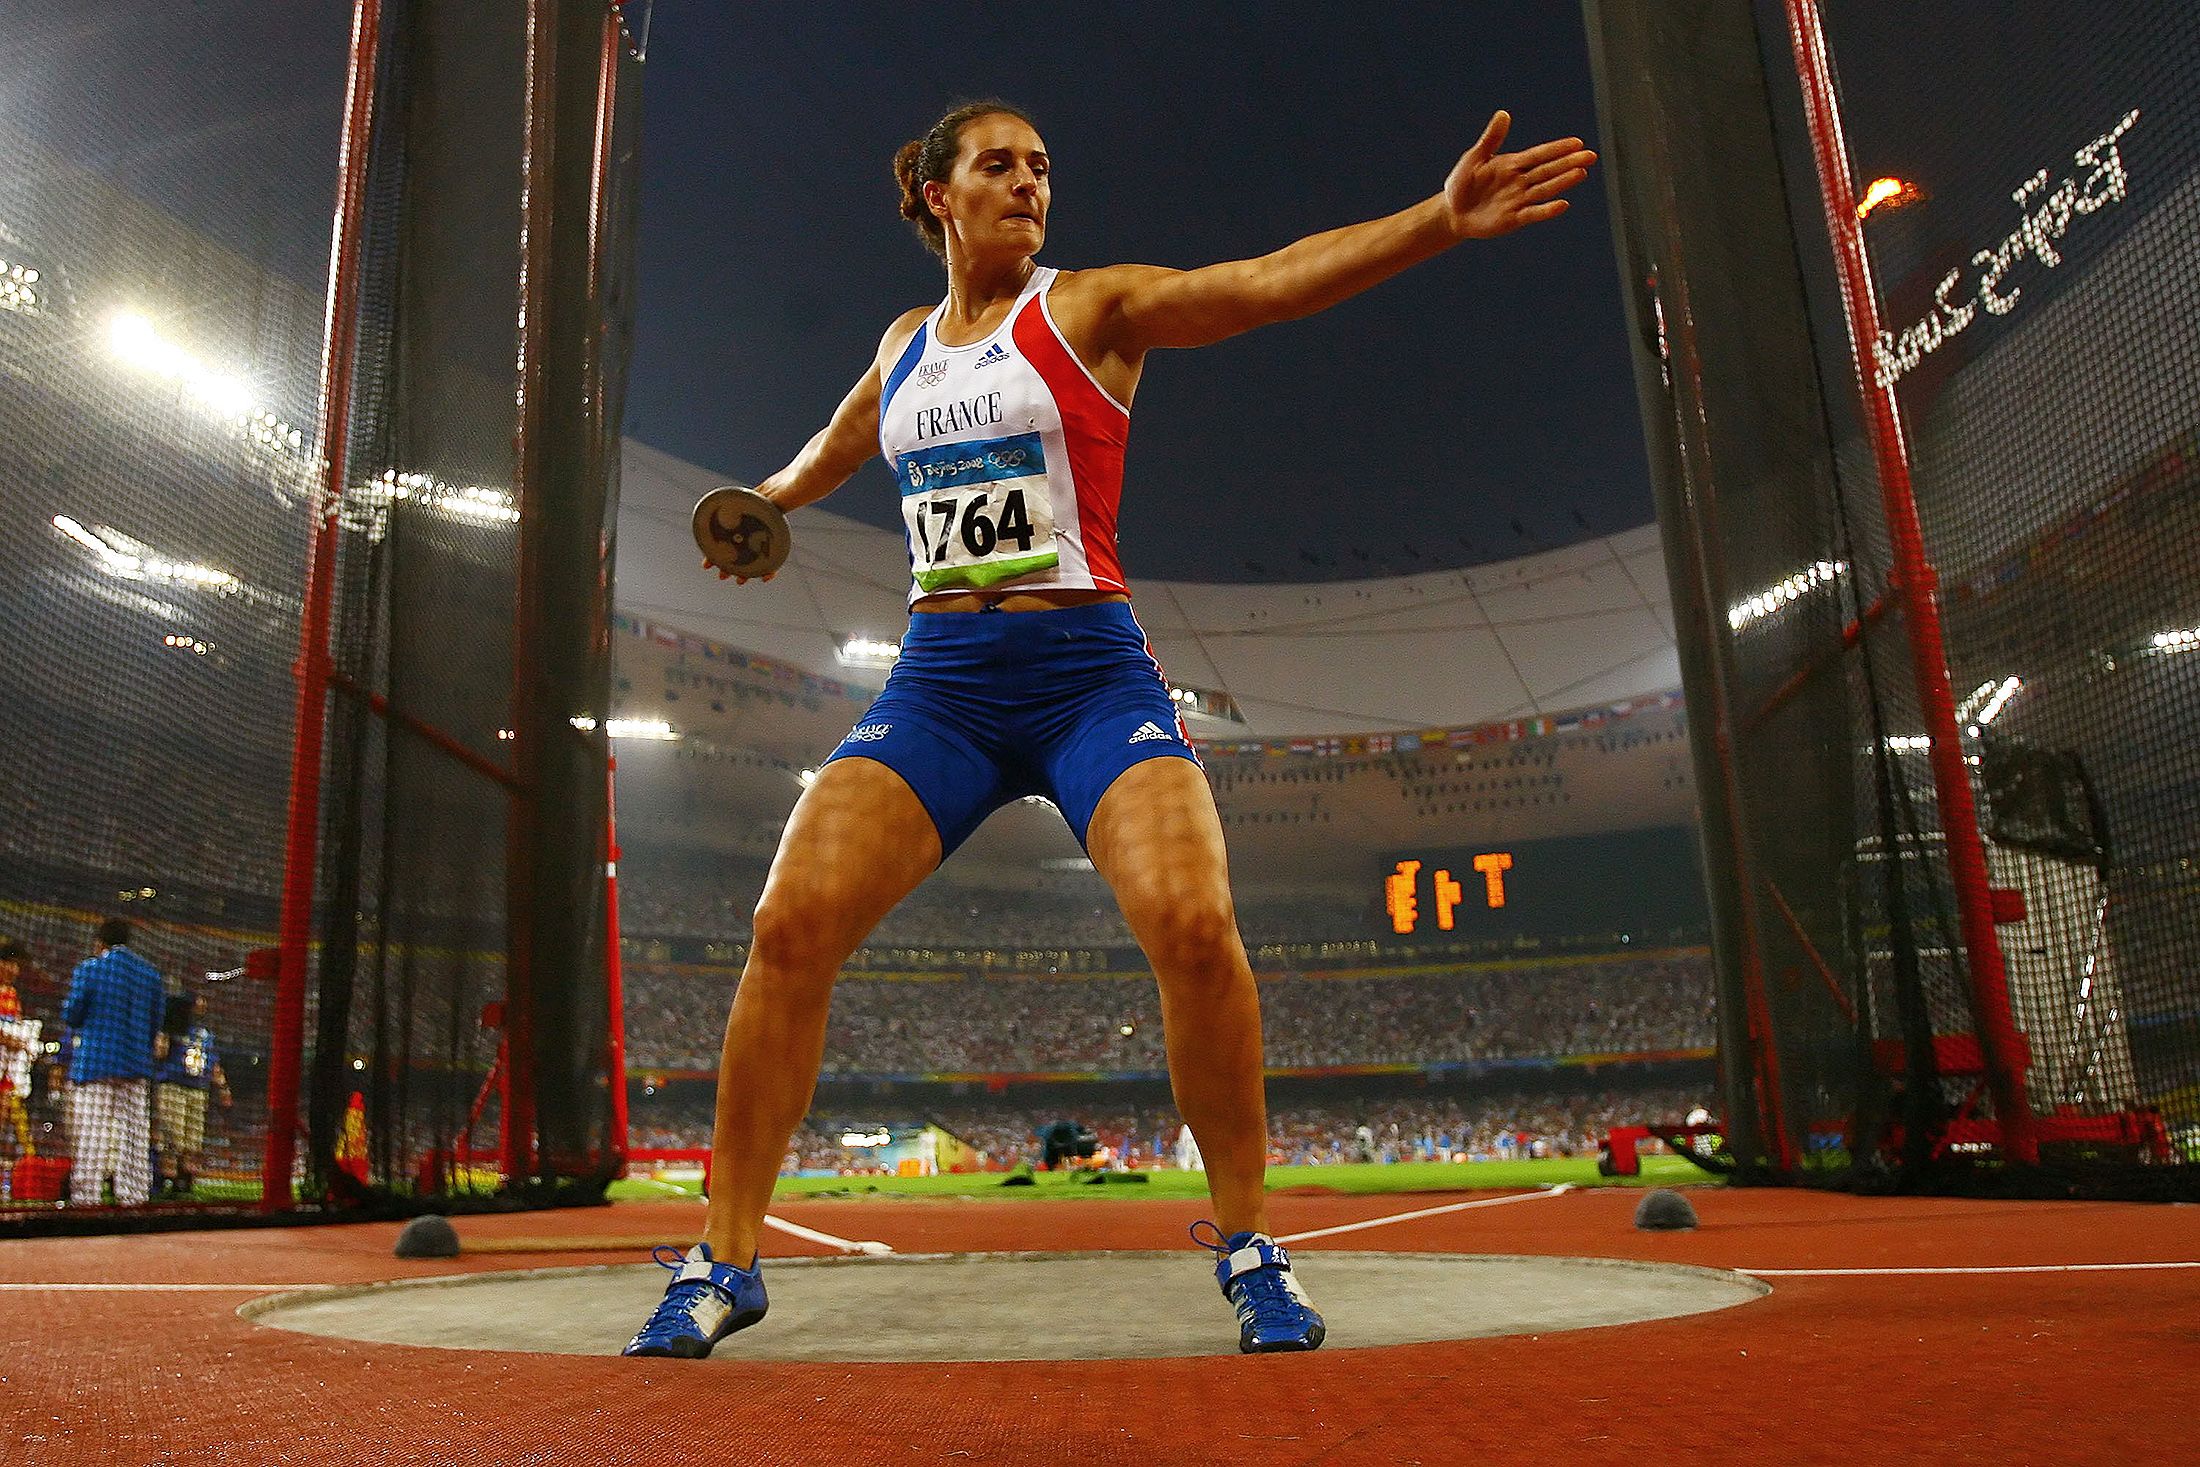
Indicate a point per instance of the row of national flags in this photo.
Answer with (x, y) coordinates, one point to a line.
(758, 666)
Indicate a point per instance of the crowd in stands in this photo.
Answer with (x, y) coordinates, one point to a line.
(1612, 1006)
(970, 1024)
(683, 901)
(1496, 1126)
(1442, 778)
(686, 895)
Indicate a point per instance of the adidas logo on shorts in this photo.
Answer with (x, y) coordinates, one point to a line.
(870, 733)
(1149, 730)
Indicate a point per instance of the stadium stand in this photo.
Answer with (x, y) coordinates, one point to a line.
(947, 1024)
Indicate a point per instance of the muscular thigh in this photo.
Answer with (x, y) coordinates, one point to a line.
(858, 841)
(1157, 839)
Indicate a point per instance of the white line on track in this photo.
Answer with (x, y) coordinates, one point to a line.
(1377, 1222)
(1875, 1273)
(813, 1235)
(157, 1288)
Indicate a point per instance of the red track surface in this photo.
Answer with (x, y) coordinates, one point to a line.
(2074, 1367)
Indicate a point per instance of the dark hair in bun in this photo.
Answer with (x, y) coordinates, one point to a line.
(930, 158)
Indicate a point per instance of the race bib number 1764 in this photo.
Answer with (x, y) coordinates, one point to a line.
(977, 513)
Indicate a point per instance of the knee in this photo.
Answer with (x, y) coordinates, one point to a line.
(790, 941)
(1193, 932)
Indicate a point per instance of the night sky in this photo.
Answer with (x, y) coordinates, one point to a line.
(1477, 408)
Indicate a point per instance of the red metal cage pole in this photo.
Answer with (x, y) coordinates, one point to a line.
(301, 849)
(601, 434)
(1916, 583)
(614, 972)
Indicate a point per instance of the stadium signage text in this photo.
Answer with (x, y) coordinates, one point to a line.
(2045, 217)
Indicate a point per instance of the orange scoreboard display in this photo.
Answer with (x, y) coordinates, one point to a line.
(1404, 887)
(1624, 884)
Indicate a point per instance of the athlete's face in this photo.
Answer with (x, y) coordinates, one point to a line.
(996, 197)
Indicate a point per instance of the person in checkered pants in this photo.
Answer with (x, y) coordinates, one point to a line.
(113, 1013)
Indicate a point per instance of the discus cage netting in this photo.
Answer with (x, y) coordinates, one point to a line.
(166, 179)
(1913, 290)
(468, 747)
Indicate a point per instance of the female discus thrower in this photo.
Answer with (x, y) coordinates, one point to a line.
(1003, 413)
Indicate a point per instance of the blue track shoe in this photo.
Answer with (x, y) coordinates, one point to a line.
(1255, 1273)
(705, 1302)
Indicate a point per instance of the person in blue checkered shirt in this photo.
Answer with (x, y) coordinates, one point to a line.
(113, 1012)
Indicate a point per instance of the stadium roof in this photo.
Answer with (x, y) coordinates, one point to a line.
(1588, 624)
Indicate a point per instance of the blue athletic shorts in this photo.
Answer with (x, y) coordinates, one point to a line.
(985, 707)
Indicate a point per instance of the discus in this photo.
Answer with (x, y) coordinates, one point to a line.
(741, 532)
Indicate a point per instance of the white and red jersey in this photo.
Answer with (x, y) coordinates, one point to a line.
(1009, 455)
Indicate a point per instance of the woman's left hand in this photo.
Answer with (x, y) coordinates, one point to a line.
(1491, 193)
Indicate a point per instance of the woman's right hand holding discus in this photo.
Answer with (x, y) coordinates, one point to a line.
(1491, 193)
(742, 534)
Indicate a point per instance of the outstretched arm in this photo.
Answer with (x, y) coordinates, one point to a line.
(838, 449)
(833, 453)
(1489, 193)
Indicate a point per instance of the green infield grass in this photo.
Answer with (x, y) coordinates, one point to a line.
(1409, 1176)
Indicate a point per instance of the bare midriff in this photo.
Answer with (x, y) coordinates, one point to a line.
(1015, 600)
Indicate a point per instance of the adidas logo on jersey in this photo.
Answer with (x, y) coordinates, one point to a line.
(993, 354)
(1149, 730)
